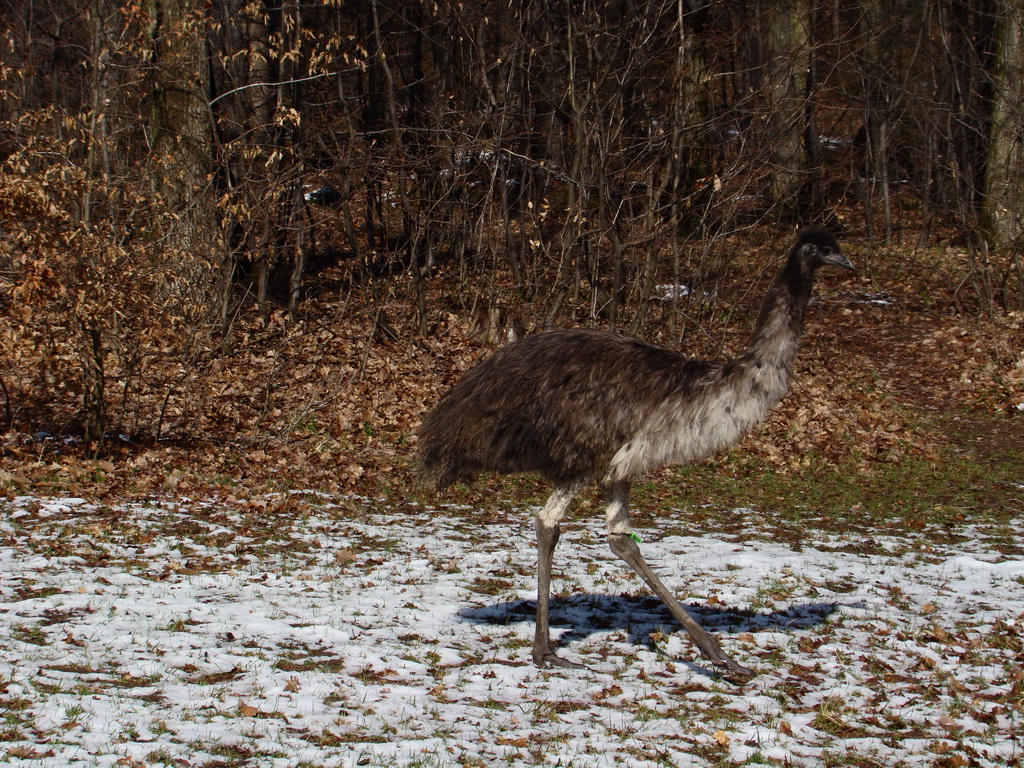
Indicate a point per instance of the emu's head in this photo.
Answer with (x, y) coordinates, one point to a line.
(816, 248)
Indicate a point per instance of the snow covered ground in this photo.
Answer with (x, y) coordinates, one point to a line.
(315, 631)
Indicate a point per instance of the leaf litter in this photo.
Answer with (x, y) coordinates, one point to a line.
(308, 629)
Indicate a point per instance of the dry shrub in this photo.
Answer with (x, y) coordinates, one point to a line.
(93, 290)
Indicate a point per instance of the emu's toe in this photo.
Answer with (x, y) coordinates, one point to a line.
(548, 658)
(735, 673)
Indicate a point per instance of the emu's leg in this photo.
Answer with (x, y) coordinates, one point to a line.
(548, 531)
(623, 545)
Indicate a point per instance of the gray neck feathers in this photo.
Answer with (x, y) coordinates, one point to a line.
(780, 324)
(735, 397)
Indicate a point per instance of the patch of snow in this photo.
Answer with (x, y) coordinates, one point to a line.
(877, 298)
(184, 632)
(834, 142)
(671, 291)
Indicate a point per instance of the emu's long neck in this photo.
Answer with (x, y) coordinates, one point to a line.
(772, 348)
(698, 424)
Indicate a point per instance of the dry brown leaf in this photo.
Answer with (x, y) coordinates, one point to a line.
(247, 710)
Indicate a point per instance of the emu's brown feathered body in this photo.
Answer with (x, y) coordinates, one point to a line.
(585, 406)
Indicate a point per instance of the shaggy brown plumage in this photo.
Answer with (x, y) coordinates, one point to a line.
(585, 406)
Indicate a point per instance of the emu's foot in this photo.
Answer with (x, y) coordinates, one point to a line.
(733, 672)
(545, 657)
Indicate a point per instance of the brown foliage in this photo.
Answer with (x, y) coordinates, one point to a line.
(94, 294)
(491, 171)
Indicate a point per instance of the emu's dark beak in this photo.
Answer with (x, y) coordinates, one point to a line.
(837, 259)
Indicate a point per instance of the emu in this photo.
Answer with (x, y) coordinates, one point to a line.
(585, 406)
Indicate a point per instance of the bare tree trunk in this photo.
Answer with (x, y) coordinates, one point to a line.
(787, 90)
(99, 167)
(1003, 205)
(299, 254)
(94, 385)
(879, 29)
(290, 96)
(182, 138)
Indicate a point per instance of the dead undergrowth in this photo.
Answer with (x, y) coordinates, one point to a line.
(893, 368)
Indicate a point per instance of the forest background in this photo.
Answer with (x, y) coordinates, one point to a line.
(247, 244)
